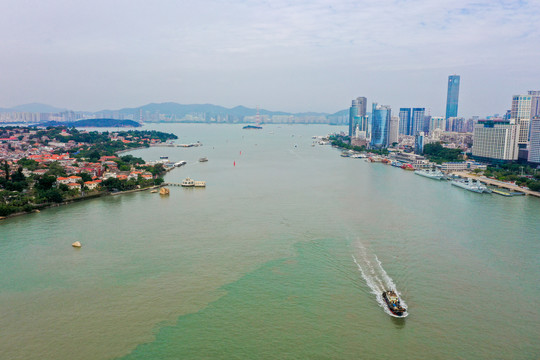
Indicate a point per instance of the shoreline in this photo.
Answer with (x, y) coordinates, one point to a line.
(38, 208)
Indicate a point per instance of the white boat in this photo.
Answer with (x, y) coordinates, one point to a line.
(203, 159)
(430, 173)
(471, 185)
(180, 163)
(188, 182)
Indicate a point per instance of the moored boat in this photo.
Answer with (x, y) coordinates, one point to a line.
(430, 173)
(188, 182)
(471, 185)
(393, 303)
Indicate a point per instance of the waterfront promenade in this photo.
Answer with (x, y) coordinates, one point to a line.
(498, 183)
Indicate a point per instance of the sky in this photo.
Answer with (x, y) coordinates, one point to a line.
(294, 56)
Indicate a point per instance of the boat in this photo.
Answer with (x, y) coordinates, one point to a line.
(393, 303)
(200, 184)
(188, 182)
(397, 164)
(164, 157)
(408, 167)
(249, 127)
(471, 185)
(180, 163)
(164, 191)
(430, 173)
(154, 191)
(203, 159)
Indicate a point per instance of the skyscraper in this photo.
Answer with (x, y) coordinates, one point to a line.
(380, 124)
(534, 145)
(404, 121)
(452, 96)
(520, 114)
(417, 120)
(393, 133)
(357, 115)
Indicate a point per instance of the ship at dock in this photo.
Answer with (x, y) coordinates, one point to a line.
(435, 174)
(471, 185)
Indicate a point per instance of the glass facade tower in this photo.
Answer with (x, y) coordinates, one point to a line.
(417, 123)
(357, 115)
(404, 120)
(452, 97)
(380, 125)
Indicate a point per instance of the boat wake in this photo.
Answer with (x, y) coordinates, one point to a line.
(376, 278)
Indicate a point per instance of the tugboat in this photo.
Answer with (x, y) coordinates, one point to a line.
(393, 303)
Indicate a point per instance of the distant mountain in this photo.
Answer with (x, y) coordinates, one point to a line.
(94, 123)
(182, 110)
(34, 108)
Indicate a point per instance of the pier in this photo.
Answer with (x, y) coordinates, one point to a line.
(497, 183)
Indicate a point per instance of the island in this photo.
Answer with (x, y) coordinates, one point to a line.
(57, 165)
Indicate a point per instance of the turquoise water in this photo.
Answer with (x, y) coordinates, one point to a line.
(261, 263)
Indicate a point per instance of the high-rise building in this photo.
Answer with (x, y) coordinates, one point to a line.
(380, 124)
(495, 141)
(417, 120)
(357, 115)
(534, 144)
(452, 96)
(393, 131)
(520, 114)
(404, 121)
(437, 122)
(419, 140)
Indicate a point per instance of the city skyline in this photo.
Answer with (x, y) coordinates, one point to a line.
(295, 57)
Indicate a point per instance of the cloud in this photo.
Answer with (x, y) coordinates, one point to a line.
(249, 42)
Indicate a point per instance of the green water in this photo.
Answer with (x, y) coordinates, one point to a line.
(261, 263)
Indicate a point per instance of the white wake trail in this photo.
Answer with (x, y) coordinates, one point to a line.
(376, 277)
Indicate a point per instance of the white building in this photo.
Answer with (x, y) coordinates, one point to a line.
(495, 140)
(461, 166)
(437, 122)
(393, 131)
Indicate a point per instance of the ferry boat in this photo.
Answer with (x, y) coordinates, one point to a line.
(408, 167)
(471, 185)
(430, 173)
(188, 182)
(393, 303)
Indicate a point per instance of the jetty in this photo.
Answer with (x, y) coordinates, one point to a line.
(497, 183)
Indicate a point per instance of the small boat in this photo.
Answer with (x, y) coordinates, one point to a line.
(163, 157)
(154, 191)
(164, 191)
(248, 127)
(200, 184)
(393, 303)
(188, 182)
(203, 159)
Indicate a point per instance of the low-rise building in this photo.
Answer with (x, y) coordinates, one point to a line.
(462, 166)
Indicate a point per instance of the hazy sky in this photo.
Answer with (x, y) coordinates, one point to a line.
(306, 55)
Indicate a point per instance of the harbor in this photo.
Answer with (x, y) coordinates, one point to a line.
(173, 276)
